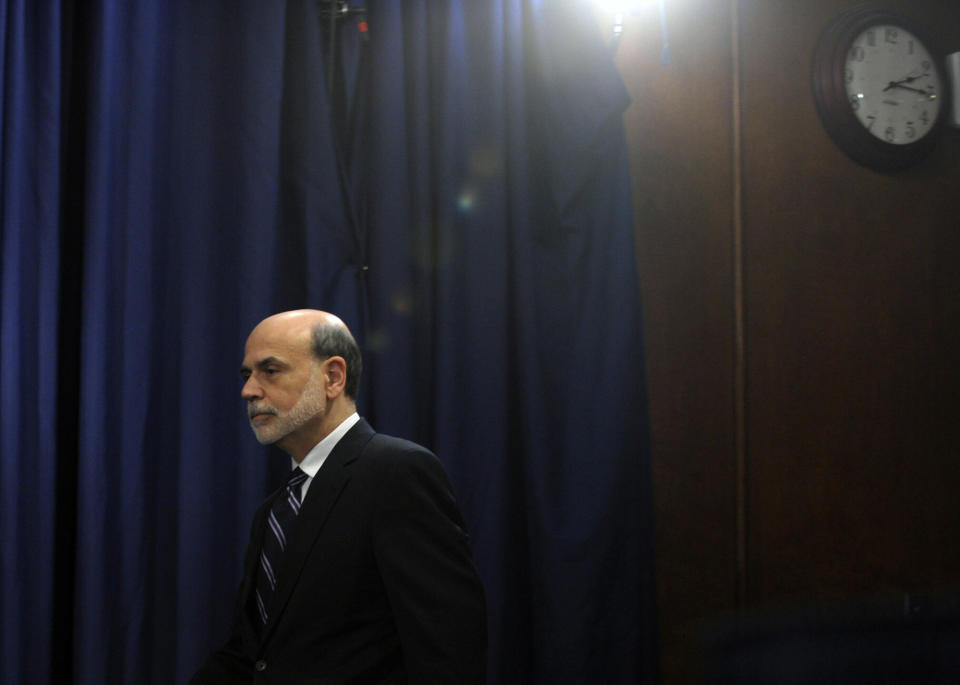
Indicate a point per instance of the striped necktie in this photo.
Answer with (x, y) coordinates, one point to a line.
(280, 521)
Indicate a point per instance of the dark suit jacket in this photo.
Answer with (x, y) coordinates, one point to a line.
(377, 584)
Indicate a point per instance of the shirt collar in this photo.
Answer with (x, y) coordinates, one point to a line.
(315, 457)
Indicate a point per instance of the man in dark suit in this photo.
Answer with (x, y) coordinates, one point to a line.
(359, 570)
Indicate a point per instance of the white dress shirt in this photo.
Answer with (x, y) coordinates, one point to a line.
(315, 457)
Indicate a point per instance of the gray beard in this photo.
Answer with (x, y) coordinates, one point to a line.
(310, 404)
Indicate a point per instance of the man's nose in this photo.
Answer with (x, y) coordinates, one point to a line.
(251, 390)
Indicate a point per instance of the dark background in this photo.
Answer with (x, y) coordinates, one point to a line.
(165, 166)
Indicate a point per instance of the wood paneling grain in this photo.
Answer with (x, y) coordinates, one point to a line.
(853, 304)
(851, 313)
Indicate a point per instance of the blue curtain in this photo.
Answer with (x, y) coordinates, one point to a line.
(452, 181)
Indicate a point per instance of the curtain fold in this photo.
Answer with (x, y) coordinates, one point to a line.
(174, 172)
(32, 116)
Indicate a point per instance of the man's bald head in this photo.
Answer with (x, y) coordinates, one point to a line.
(326, 334)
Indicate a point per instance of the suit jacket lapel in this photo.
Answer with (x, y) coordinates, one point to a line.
(322, 495)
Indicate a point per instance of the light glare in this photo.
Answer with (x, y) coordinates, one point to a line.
(618, 6)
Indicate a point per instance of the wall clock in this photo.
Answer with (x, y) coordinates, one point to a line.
(879, 88)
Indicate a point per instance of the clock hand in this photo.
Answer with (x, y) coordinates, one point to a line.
(909, 79)
(915, 90)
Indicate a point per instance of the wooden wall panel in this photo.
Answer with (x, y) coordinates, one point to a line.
(853, 316)
(679, 136)
(850, 309)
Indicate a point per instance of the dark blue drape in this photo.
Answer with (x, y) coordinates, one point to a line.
(172, 172)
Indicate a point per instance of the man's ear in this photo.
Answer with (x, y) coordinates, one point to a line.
(334, 376)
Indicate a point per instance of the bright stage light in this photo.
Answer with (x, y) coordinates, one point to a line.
(621, 6)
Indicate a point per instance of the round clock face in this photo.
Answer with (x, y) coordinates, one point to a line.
(892, 84)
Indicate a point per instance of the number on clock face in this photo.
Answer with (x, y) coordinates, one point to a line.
(892, 84)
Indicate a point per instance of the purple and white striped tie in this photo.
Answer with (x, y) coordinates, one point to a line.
(279, 523)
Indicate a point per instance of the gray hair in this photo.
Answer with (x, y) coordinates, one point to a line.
(331, 340)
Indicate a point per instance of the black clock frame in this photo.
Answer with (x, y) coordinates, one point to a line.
(830, 93)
